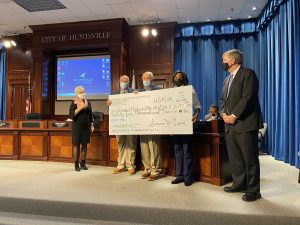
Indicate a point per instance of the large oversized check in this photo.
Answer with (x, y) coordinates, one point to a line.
(166, 111)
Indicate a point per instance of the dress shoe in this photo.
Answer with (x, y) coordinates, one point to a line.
(145, 175)
(250, 197)
(131, 171)
(233, 189)
(177, 181)
(77, 167)
(118, 170)
(83, 165)
(153, 177)
(188, 183)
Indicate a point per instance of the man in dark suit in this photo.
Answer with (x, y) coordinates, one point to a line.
(241, 113)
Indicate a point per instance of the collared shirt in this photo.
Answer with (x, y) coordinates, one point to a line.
(235, 72)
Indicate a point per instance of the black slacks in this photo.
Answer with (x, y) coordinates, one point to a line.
(243, 158)
(184, 156)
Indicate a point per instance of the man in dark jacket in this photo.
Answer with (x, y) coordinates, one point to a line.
(241, 113)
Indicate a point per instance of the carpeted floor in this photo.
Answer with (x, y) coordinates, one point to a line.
(55, 190)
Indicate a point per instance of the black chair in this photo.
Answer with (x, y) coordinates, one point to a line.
(33, 116)
(261, 138)
(299, 170)
(98, 116)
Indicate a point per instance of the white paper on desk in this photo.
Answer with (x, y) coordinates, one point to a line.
(166, 111)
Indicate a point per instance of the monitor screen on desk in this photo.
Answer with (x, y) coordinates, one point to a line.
(92, 72)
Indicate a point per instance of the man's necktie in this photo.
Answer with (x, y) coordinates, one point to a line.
(229, 84)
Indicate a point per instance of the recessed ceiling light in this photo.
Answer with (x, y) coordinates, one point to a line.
(13, 43)
(207, 20)
(254, 8)
(154, 32)
(188, 21)
(249, 16)
(145, 32)
(7, 44)
(228, 18)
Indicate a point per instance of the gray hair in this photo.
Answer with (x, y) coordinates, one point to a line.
(235, 54)
(149, 73)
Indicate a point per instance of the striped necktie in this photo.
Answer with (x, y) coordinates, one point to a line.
(229, 84)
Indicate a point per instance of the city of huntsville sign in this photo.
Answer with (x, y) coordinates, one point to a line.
(76, 37)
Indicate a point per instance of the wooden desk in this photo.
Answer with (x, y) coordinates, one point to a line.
(9, 140)
(51, 140)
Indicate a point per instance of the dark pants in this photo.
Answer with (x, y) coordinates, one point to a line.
(243, 157)
(183, 154)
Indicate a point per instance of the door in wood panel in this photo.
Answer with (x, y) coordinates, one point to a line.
(18, 97)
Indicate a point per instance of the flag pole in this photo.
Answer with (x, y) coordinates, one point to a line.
(133, 80)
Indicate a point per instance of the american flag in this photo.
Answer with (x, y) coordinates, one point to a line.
(28, 102)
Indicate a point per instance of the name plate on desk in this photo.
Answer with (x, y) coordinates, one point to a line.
(4, 124)
(166, 111)
(30, 124)
(60, 124)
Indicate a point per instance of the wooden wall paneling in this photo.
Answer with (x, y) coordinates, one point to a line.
(153, 54)
(162, 52)
(37, 80)
(19, 64)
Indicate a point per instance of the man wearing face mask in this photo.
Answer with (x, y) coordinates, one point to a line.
(213, 113)
(150, 144)
(126, 143)
(241, 113)
(81, 113)
(183, 143)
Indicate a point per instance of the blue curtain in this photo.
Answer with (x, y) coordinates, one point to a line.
(2, 83)
(271, 47)
(279, 77)
(198, 50)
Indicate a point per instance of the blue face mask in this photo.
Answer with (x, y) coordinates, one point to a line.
(146, 83)
(124, 85)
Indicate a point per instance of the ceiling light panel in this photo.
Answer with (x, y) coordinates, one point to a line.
(40, 5)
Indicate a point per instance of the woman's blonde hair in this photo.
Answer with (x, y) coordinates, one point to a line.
(79, 90)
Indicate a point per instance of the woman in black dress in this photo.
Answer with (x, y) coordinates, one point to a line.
(81, 114)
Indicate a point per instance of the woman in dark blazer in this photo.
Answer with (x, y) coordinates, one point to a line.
(81, 113)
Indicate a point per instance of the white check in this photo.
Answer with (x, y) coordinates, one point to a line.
(166, 111)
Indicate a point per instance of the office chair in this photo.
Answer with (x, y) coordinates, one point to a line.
(299, 169)
(33, 116)
(261, 138)
(98, 116)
